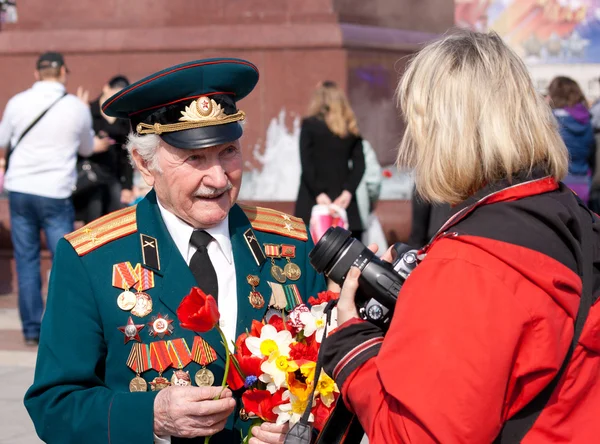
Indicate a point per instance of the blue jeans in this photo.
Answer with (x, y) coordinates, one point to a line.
(28, 215)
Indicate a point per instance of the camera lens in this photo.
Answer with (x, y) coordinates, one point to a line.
(331, 243)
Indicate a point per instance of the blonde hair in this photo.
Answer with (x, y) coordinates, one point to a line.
(330, 102)
(473, 117)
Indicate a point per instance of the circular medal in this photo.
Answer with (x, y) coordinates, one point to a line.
(159, 383)
(160, 326)
(181, 378)
(126, 300)
(143, 305)
(256, 300)
(204, 378)
(278, 274)
(292, 271)
(138, 384)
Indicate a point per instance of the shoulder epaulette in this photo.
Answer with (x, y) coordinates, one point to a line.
(103, 230)
(273, 221)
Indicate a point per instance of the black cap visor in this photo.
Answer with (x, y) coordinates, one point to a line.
(205, 137)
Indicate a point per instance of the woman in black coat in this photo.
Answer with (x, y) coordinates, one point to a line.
(331, 155)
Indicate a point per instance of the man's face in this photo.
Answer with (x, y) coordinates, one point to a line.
(199, 186)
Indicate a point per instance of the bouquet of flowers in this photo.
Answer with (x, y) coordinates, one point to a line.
(276, 364)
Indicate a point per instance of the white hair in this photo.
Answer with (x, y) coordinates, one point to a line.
(146, 146)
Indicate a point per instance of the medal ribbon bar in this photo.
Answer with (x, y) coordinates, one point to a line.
(288, 251)
(179, 352)
(159, 356)
(139, 358)
(202, 352)
(124, 276)
(292, 296)
(145, 278)
(272, 250)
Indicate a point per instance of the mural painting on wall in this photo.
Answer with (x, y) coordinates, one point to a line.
(554, 37)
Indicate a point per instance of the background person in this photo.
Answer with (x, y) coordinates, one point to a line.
(113, 189)
(331, 155)
(41, 175)
(570, 109)
(485, 321)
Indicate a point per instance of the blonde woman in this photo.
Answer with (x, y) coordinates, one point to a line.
(486, 321)
(331, 154)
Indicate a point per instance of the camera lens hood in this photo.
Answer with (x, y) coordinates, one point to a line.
(322, 256)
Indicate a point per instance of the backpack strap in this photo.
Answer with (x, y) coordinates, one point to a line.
(515, 429)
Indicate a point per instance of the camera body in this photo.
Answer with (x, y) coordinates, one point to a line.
(379, 282)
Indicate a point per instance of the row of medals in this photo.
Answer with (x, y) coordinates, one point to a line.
(290, 271)
(140, 305)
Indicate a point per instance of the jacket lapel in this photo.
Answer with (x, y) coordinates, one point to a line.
(174, 279)
(246, 263)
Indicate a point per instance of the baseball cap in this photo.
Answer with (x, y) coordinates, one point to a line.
(51, 60)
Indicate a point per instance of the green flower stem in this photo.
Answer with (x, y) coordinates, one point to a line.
(256, 423)
(227, 363)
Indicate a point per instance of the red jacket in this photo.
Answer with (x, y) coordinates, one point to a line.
(481, 326)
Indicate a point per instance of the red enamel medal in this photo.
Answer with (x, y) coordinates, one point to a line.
(131, 331)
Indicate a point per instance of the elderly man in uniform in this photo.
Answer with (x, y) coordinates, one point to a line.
(112, 354)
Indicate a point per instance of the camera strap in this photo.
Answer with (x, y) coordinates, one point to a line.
(342, 425)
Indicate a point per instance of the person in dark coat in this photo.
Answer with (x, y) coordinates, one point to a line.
(331, 154)
(113, 189)
(569, 106)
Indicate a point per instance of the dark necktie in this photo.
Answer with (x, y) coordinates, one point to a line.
(201, 265)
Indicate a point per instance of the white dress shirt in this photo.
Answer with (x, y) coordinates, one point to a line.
(43, 163)
(221, 256)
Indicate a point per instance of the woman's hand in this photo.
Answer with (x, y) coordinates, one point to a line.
(343, 200)
(323, 199)
(346, 308)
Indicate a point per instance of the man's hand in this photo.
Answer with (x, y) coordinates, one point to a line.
(269, 433)
(102, 144)
(323, 199)
(188, 412)
(83, 95)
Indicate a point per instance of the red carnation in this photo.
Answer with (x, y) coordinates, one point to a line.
(198, 311)
(278, 323)
(262, 403)
(324, 296)
(299, 351)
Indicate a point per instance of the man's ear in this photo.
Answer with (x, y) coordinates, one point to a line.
(142, 165)
(36, 74)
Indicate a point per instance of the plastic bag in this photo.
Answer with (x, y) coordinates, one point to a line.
(374, 234)
(322, 217)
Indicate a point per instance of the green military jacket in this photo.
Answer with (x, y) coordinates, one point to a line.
(81, 391)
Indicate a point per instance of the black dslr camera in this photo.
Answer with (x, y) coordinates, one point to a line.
(379, 282)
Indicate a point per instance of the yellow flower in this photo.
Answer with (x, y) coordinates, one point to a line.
(326, 387)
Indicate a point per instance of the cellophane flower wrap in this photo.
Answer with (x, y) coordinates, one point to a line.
(275, 362)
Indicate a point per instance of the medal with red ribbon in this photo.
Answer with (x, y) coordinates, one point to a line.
(160, 361)
(203, 354)
(291, 270)
(145, 281)
(139, 362)
(124, 277)
(180, 357)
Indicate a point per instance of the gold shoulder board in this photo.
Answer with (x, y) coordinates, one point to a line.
(103, 230)
(272, 221)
